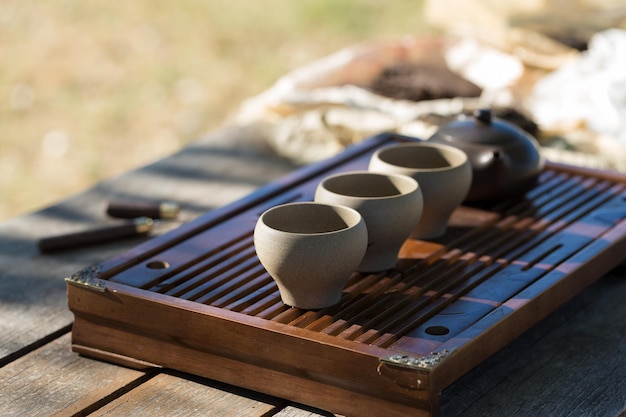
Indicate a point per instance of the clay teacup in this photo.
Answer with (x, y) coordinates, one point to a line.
(444, 175)
(390, 204)
(310, 250)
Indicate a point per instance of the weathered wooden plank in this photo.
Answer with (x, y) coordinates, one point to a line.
(570, 364)
(188, 396)
(32, 289)
(53, 380)
(302, 411)
(210, 173)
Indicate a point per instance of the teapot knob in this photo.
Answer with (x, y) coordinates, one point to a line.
(483, 116)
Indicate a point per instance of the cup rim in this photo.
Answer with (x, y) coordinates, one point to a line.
(448, 148)
(411, 183)
(351, 217)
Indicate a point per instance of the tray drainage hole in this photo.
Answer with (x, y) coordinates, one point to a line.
(157, 265)
(437, 330)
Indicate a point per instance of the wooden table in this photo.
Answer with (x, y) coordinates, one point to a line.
(573, 363)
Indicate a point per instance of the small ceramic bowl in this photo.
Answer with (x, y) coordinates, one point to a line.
(310, 250)
(390, 204)
(443, 173)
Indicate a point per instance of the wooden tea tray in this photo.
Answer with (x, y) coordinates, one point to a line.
(197, 299)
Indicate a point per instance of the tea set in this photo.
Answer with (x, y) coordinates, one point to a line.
(359, 220)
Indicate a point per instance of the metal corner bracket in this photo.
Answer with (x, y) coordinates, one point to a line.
(416, 363)
(88, 278)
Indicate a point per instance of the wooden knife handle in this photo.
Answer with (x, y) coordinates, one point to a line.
(94, 236)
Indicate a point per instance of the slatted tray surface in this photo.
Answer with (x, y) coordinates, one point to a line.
(198, 300)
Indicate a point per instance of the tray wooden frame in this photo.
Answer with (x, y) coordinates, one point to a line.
(197, 300)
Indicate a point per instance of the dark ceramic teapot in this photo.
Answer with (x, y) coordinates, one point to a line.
(505, 159)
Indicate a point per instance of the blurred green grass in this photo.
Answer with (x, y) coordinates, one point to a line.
(93, 88)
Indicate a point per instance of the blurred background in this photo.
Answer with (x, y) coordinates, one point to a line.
(90, 89)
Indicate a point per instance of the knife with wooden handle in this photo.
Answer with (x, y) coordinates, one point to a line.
(137, 227)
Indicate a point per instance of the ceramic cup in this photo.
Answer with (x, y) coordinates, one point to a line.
(310, 250)
(390, 204)
(443, 173)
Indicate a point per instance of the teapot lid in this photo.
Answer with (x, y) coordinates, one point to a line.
(482, 128)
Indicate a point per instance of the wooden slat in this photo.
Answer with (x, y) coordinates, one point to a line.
(32, 291)
(507, 282)
(119, 265)
(192, 244)
(293, 411)
(186, 396)
(55, 381)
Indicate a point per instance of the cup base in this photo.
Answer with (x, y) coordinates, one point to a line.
(306, 303)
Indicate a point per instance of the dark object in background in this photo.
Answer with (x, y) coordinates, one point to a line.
(132, 209)
(577, 42)
(101, 234)
(422, 82)
(505, 159)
